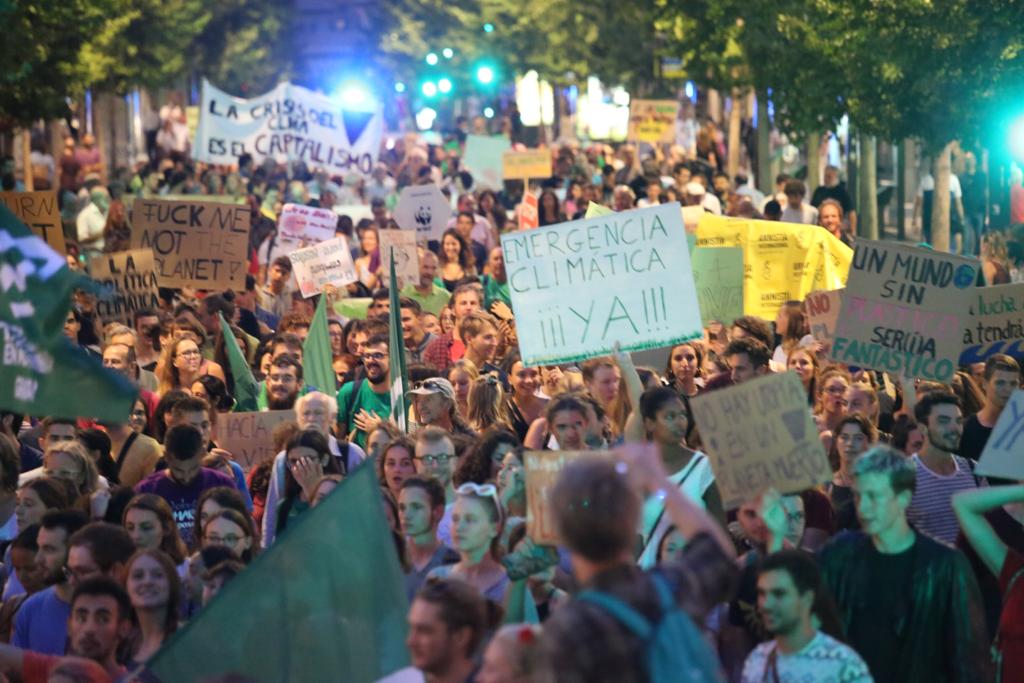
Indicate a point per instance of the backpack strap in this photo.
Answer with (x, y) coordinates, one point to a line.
(351, 403)
(623, 613)
(666, 600)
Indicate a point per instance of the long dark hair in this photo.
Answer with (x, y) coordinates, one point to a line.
(475, 466)
(465, 254)
(308, 438)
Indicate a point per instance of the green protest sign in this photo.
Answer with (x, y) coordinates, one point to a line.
(718, 275)
(38, 365)
(579, 287)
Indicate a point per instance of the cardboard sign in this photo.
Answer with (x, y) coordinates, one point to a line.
(131, 277)
(995, 324)
(1002, 454)
(594, 209)
(542, 470)
(653, 120)
(718, 275)
(247, 436)
(39, 211)
(289, 123)
(307, 223)
(822, 315)
(760, 434)
(782, 261)
(483, 159)
(532, 163)
(327, 263)
(904, 310)
(195, 244)
(579, 287)
(529, 212)
(407, 257)
(424, 209)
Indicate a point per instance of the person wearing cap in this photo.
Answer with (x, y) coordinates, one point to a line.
(434, 399)
(697, 195)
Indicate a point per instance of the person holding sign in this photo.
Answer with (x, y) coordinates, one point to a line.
(1002, 377)
(910, 605)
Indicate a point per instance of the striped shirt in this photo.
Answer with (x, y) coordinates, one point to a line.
(931, 509)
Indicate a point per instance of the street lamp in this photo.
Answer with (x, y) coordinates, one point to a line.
(429, 89)
(485, 75)
(444, 85)
(431, 58)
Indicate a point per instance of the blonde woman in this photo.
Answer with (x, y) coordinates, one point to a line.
(462, 374)
(486, 406)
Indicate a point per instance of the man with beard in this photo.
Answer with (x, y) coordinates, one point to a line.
(940, 472)
(789, 589)
(365, 403)
(41, 623)
(99, 621)
(317, 411)
(185, 478)
(284, 382)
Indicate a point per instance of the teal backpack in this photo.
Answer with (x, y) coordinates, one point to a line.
(676, 650)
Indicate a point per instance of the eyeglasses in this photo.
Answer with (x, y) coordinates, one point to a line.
(189, 353)
(375, 355)
(230, 539)
(435, 459)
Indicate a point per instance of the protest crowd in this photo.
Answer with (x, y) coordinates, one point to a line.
(675, 539)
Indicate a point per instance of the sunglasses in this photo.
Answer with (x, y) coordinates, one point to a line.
(483, 491)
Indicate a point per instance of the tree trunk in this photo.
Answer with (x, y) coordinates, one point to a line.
(901, 189)
(26, 158)
(813, 163)
(940, 200)
(733, 151)
(764, 146)
(867, 214)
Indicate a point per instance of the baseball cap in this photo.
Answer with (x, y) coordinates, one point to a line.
(434, 385)
(694, 189)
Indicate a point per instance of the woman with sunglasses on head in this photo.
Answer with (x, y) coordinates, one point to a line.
(477, 523)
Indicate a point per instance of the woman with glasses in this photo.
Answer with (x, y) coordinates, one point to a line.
(231, 529)
(477, 523)
(180, 366)
(155, 592)
(70, 461)
(831, 405)
(213, 500)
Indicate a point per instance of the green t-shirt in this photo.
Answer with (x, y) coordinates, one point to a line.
(367, 399)
(495, 291)
(433, 302)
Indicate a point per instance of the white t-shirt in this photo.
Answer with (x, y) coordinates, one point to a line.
(694, 481)
(928, 185)
(823, 660)
(806, 214)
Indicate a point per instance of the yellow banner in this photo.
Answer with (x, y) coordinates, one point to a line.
(782, 261)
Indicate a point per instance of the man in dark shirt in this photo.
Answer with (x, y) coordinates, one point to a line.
(834, 188)
(185, 478)
(597, 517)
(910, 605)
(1002, 377)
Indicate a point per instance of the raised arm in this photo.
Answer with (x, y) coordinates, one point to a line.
(971, 506)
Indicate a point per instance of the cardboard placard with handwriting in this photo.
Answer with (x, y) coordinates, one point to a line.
(248, 436)
(761, 434)
(1002, 454)
(995, 323)
(326, 263)
(542, 470)
(718, 276)
(307, 223)
(407, 258)
(530, 163)
(822, 315)
(130, 278)
(653, 121)
(196, 244)
(39, 211)
(904, 310)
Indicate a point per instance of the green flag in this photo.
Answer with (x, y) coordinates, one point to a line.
(246, 388)
(396, 352)
(317, 369)
(41, 372)
(325, 603)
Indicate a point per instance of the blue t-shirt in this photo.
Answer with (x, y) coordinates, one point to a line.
(42, 623)
(183, 499)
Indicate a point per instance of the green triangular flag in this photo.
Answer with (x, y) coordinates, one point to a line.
(317, 369)
(41, 372)
(396, 353)
(325, 603)
(246, 388)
